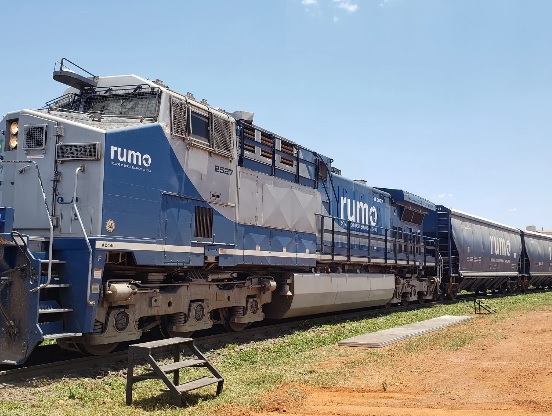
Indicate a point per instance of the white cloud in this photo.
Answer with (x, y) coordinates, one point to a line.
(335, 19)
(511, 209)
(308, 2)
(346, 5)
(383, 2)
(441, 196)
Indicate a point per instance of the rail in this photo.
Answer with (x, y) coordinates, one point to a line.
(77, 213)
(21, 171)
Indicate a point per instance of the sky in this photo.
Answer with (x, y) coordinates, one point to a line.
(447, 99)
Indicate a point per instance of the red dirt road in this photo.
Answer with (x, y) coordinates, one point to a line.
(507, 371)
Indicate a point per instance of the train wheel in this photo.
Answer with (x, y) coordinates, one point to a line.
(102, 349)
(503, 289)
(452, 295)
(404, 302)
(230, 326)
(166, 332)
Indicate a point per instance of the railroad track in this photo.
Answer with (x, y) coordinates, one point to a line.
(64, 363)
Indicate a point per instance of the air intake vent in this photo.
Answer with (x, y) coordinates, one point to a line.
(179, 115)
(222, 134)
(34, 136)
(203, 222)
(78, 151)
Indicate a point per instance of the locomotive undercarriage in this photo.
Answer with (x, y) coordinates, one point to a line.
(173, 304)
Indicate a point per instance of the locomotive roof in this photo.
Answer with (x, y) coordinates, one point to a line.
(106, 123)
(400, 195)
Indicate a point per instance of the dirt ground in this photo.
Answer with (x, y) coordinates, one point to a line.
(507, 372)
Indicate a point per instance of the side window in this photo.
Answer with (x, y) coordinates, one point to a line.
(199, 126)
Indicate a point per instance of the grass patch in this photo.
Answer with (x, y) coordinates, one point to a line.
(306, 356)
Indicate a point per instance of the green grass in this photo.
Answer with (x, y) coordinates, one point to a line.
(307, 355)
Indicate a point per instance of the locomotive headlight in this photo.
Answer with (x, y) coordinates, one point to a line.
(13, 142)
(14, 128)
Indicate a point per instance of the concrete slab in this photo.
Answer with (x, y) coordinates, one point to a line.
(386, 337)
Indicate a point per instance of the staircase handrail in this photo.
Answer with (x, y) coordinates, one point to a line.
(50, 223)
(77, 213)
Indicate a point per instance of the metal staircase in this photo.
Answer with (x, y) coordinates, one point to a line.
(145, 351)
(54, 301)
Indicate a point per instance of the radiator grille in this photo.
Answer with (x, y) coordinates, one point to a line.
(134, 101)
(130, 101)
(35, 136)
(267, 141)
(288, 148)
(78, 151)
(248, 133)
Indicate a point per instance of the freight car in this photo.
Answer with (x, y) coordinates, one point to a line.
(480, 255)
(536, 263)
(128, 207)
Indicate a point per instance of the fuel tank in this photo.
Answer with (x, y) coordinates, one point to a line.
(315, 293)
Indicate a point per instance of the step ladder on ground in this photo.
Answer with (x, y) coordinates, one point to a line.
(479, 305)
(145, 352)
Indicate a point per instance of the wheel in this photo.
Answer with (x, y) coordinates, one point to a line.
(230, 326)
(166, 332)
(421, 299)
(101, 349)
(404, 302)
(452, 294)
(437, 294)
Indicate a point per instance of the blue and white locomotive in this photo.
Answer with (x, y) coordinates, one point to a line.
(127, 208)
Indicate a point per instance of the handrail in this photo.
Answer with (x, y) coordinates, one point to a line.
(368, 232)
(50, 224)
(61, 66)
(76, 209)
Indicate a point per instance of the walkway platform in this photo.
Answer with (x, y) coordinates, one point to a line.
(386, 337)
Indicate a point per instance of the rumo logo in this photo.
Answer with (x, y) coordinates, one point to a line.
(500, 246)
(130, 156)
(358, 211)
